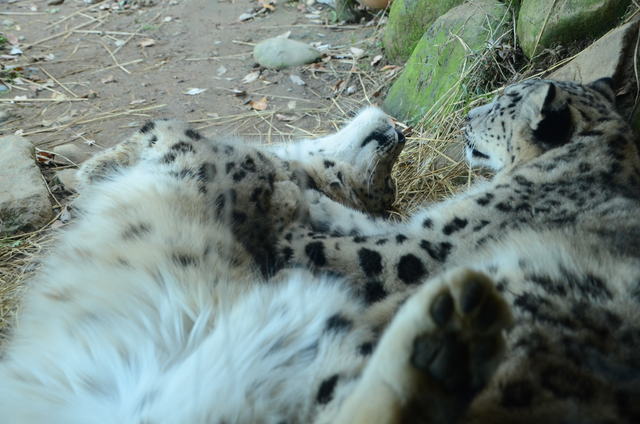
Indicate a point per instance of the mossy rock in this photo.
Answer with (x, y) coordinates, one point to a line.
(434, 71)
(408, 20)
(545, 23)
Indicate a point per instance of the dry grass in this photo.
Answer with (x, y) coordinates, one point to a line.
(19, 257)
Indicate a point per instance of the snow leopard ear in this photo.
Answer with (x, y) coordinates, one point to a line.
(550, 118)
(604, 86)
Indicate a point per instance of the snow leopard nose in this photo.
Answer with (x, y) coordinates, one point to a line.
(401, 137)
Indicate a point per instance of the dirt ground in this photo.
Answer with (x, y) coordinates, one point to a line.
(91, 73)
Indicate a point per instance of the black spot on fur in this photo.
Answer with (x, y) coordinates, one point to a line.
(229, 166)
(365, 349)
(207, 172)
(370, 262)
(381, 242)
(359, 239)
(485, 199)
(327, 387)
(136, 231)
(249, 164)
(239, 176)
(438, 251)
(329, 164)
(315, 252)
(148, 126)
(516, 394)
(153, 140)
(374, 292)
(338, 323)
(411, 269)
(287, 254)
(483, 223)
(168, 158)
(427, 223)
(182, 147)
(194, 135)
(376, 135)
(184, 259)
(565, 383)
(456, 224)
(239, 217)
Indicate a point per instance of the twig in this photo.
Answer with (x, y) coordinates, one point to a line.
(135, 33)
(41, 100)
(115, 66)
(114, 58)
(58, 82)
(93, 6)
(60, 34)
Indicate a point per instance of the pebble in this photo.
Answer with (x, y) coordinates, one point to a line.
(279, 53)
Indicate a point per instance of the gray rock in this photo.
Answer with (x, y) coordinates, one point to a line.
(24, 198)
(544, 23)
(279, 53)
(611, 56)
(432, 76)
(71, 154)
(68, 178)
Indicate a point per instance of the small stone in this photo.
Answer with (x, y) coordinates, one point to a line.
(54, 2)
(279, 53)
(5, 115)
(71, 154)
(24, 198)
(68, 178)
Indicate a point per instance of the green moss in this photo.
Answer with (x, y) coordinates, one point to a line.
(434, 74)
(567, 21)
(408, 20)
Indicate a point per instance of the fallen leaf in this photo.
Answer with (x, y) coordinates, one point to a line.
(194, 91)
(251, 77)
(15, 51)
(259, 104)
(338, 85)
(296, 80)
(291, 104)
(376, 59)
(389, 67)
(137, 101)
(221, 70)
(238, 93)
(147, 42)
(44, 157)
(108, 79)
(351, 89)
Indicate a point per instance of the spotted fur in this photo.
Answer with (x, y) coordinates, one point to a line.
(556, 230)
(154, 305)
